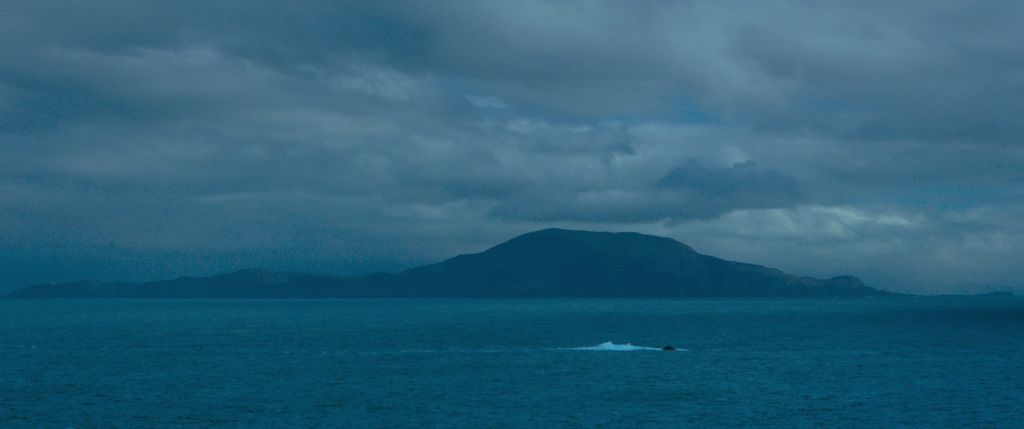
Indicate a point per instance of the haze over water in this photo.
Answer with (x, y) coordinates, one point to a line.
(888, 362)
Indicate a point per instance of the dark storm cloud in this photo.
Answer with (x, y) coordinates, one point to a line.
(736, 184)
(150, 139)
(690, 191)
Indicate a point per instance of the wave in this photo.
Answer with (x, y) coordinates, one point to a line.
(609, 346)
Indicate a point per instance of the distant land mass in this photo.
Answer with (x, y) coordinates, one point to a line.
(545, 263)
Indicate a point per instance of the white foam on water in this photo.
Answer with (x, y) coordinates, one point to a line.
(609, 346)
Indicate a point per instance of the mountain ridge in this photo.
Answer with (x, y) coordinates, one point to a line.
(550, 262)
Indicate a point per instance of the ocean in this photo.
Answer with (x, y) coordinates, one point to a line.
(886, 362)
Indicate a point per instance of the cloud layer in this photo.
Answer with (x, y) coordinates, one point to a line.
(154, 139)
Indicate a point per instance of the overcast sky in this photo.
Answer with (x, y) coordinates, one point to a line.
(150, 139)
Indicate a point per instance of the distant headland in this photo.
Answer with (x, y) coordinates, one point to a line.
(545, 263)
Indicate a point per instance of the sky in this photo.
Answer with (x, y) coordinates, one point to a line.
(142, 140)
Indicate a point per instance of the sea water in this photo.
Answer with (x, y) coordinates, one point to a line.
(885, 362)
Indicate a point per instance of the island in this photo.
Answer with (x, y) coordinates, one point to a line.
(540, 264)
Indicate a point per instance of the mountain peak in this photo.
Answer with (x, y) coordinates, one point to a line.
(562, 239)
(561, 262)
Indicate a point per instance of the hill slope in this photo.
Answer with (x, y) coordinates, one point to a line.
(545, 263)
(557, 262)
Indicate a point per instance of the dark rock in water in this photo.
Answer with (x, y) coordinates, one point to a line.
(546, 263)
(668, 348)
